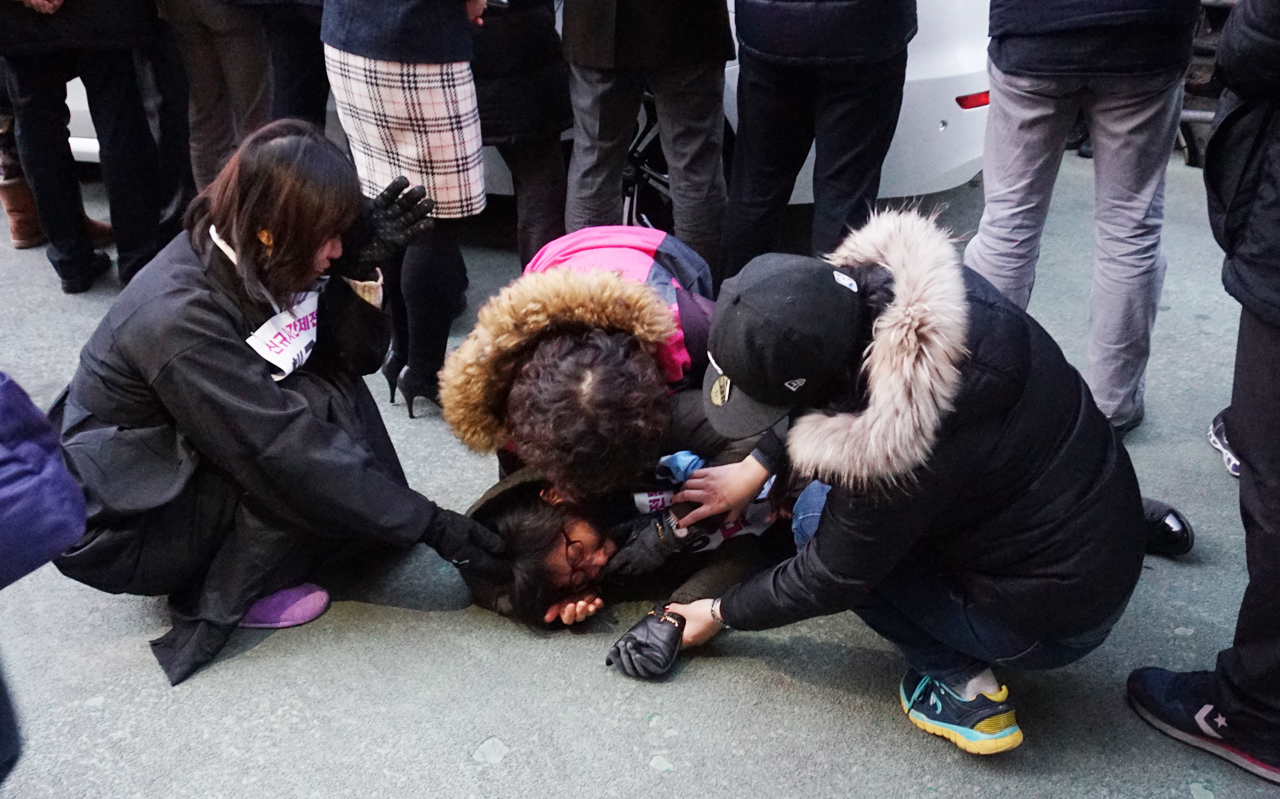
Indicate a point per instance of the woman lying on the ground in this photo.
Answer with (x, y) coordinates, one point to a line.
(559, 551)
(218, 422)
(983, 510)
(589, 366)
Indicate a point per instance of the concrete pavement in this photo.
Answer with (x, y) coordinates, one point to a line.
(403, 690)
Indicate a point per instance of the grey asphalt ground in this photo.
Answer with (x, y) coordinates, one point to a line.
(403, 690)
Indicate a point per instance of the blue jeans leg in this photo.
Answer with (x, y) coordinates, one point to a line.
(924, 614)
(807, 512)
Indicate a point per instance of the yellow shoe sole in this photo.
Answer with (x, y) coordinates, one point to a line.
(990, 746)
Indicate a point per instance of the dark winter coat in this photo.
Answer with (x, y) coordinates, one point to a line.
(405, 31)
(522, 80)
(1091, 37)
(167, 384)
(41, 507)
(1242, 160)
(980, 453)
(825, 32)
(77, 25)
(642, 34)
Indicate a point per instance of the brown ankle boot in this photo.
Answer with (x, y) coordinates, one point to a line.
(24, 226)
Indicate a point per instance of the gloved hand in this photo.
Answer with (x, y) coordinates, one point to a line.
(390, 221)
(648, 650)
(467, 544)
(650, 540)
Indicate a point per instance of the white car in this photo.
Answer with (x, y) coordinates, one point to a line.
(938, 143)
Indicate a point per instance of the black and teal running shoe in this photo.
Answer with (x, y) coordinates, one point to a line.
(984, 725)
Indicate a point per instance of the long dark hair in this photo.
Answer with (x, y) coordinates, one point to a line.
(532, 529)
(291, 183)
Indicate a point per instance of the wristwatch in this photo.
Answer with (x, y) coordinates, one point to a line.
(715, 614)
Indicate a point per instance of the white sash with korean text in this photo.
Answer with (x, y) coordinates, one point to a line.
(286, 340)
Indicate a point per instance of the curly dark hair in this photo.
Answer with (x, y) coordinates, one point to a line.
(588, 411)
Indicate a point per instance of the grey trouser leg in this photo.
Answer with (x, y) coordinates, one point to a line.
(690, 104)
(605, 105)
(229, 71)
(1133, 121)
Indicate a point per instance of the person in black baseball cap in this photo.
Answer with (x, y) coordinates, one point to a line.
(783, 335)
(981, 510)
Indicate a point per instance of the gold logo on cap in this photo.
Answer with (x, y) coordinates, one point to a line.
(720, 391)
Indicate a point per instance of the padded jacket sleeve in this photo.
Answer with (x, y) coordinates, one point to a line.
(860, 541)
(1249, 52)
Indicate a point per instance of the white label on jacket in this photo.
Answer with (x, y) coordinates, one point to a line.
(286, 339)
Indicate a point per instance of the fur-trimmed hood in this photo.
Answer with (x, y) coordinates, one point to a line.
(911, 367)
(476, 379)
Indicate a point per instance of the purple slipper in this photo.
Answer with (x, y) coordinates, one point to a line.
(287, 608)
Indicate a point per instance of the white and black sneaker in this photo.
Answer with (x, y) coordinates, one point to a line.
(1218, 438)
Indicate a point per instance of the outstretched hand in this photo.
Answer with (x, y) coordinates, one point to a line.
(725, 489)
(390, 221)
(699, 626)
(573, 611)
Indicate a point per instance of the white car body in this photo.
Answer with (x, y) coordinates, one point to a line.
(937, 146)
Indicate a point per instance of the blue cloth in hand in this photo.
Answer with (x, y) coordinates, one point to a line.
(676, 467)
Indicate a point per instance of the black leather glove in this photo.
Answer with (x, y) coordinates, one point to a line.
(467, 544)
(390, 221)
(649, 649)
(649, 541)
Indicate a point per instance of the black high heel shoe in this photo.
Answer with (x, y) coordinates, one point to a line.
(413, 385)
(391, 367)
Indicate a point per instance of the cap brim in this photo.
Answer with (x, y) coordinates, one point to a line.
(740, 415)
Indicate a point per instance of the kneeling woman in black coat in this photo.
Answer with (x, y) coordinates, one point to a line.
(218, 422)
(983, 511)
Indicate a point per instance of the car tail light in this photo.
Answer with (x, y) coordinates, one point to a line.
(974, 100)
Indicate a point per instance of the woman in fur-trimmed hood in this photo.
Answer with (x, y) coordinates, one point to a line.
(982, 509)
(589, 364)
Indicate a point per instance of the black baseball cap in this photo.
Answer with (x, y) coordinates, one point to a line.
(782, 332)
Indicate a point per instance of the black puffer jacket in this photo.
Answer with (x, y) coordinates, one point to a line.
(825, 32)
(77, 25)
(522, 80)
(1242, 161)
(980, 454)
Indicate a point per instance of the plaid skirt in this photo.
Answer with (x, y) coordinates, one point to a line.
(416, 120)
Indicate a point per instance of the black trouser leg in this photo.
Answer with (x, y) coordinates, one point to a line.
(297, 59)
(130, 160)
(775, 130)
(434, 282)
(10, 166)
(1249, 672)
(856, 114)
(177, 186)
(38, 90)
(538, 176)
